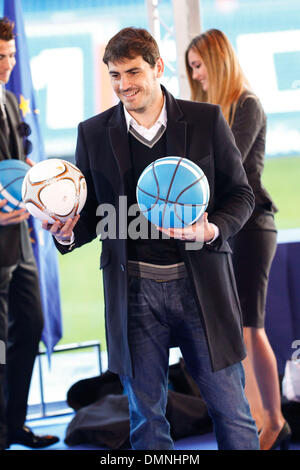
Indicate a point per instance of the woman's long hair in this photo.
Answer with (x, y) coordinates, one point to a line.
(226, 79)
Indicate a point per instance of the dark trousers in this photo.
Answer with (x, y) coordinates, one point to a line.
(21, 324)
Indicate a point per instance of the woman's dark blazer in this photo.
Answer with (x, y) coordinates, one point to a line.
(249, 130)
(14, 239)
(200, 133)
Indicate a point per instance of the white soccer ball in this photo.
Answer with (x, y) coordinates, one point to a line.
(54, 190)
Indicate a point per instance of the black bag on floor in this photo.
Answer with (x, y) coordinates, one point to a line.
(106, 422)
(103, 423)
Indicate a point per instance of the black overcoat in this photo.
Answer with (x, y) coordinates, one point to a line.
(199, 132)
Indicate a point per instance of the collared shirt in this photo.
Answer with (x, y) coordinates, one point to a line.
(1, 93)
(2, 98)
(3, 115)
(148, 134)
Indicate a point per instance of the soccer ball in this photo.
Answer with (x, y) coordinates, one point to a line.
(54, 190)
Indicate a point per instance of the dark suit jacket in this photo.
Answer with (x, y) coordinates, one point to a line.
(200, 133)
(249, 130)
(14, 239)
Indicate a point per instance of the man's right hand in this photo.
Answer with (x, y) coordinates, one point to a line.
(13, 217)
(62, 232)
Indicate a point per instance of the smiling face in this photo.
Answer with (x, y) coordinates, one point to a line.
(137, 84)
(199, 71)
(7, 59)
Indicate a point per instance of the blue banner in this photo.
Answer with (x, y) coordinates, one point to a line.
(20, 83)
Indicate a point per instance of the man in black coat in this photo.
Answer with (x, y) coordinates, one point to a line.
(160, 292)
(21, 317)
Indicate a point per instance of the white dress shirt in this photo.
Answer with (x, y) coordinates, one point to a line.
(148, 134)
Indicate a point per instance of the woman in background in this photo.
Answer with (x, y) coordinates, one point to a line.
(215, 76)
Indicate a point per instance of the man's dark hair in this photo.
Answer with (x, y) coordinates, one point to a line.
(6, 29)
(130, 43)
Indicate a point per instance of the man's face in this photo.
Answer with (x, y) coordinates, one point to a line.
(7, 59)
(136, 83)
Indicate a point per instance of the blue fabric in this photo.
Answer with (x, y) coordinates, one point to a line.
(160, 313)
(20, 84)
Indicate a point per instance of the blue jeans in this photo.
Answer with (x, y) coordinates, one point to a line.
(159, 313)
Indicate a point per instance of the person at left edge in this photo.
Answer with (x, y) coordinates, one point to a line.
(21, 317)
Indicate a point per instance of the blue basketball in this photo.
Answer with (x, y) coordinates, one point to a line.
(172, 192)
(12, 173)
